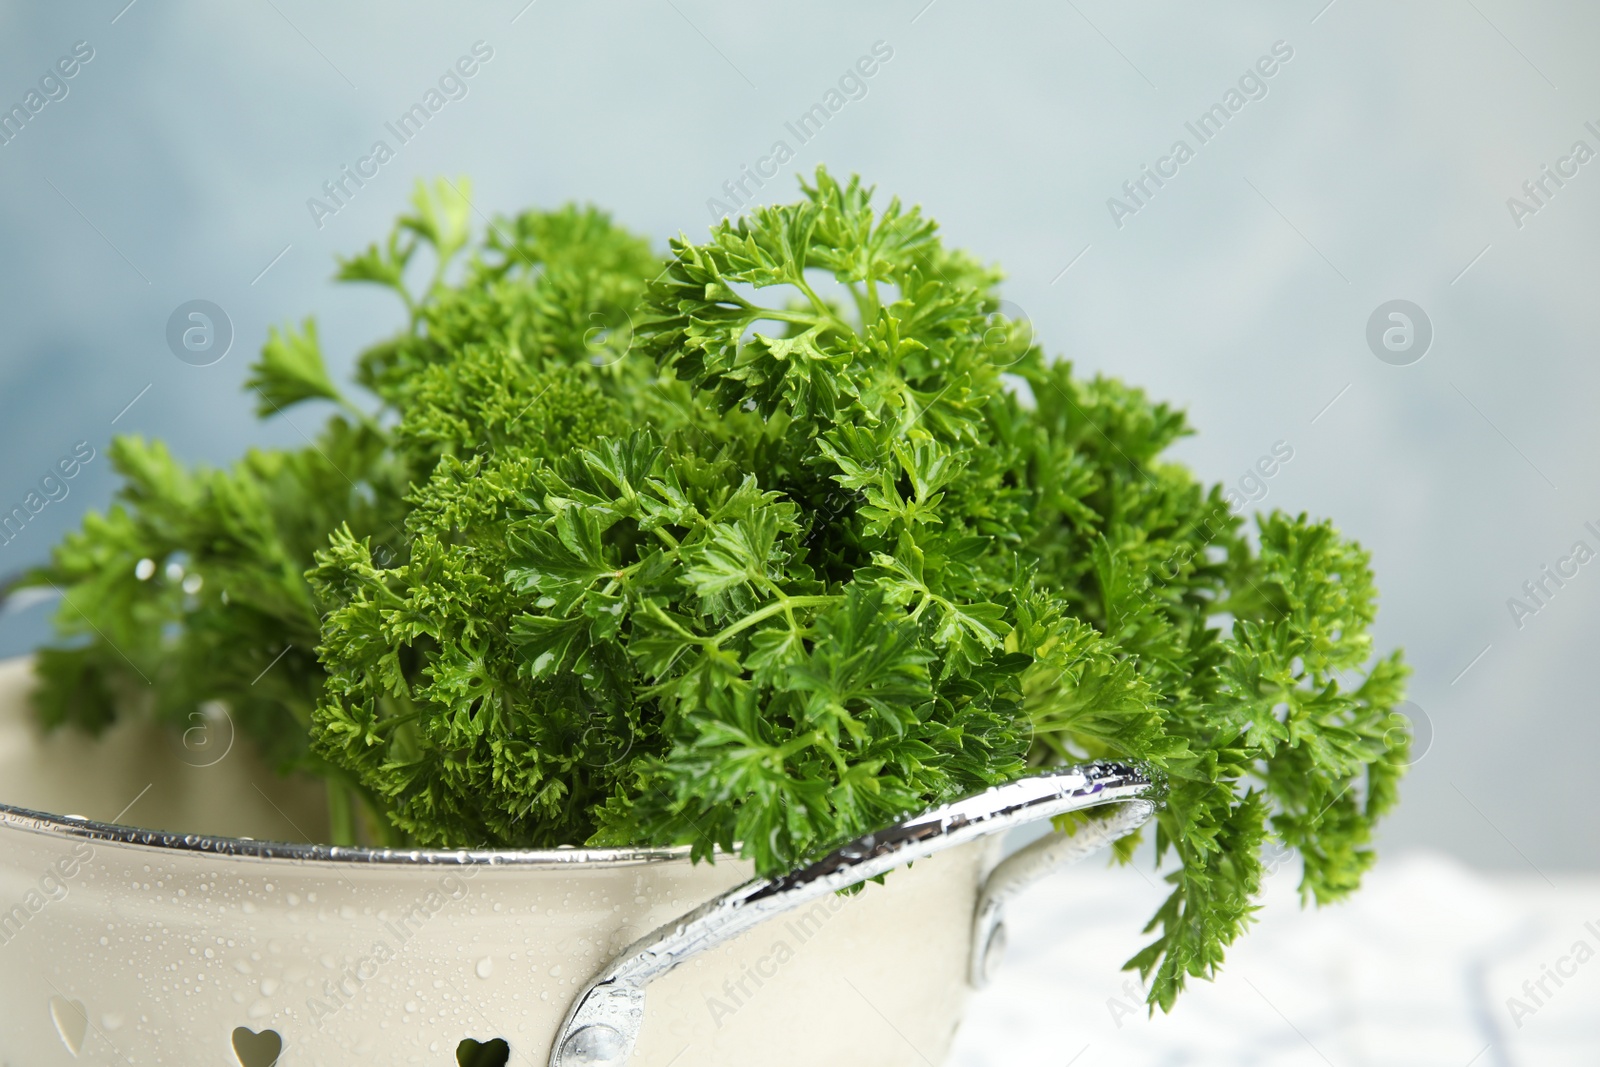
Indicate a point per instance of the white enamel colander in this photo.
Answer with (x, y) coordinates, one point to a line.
(139, 946)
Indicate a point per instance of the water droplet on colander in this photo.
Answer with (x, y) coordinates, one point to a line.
(484, 968)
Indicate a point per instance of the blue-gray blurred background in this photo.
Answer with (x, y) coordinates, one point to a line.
(1374, 164)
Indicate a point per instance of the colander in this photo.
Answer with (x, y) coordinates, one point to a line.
(143, 946)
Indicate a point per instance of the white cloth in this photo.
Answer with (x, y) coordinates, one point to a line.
(1414, 970)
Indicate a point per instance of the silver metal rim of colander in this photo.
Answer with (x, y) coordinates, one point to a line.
(74, 827)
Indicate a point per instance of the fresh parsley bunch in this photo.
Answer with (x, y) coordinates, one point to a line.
(192, 587)
(755, 549)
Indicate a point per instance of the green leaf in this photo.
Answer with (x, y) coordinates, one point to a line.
(442, 215)
(380, 265)
(290, 370)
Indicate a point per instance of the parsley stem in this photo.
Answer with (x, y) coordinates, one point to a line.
(862, 311)
(341, 814)
(824, 319)
(397, 720)
(783, 603)
(804, 286)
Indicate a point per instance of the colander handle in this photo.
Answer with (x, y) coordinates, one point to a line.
(601, 1028)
